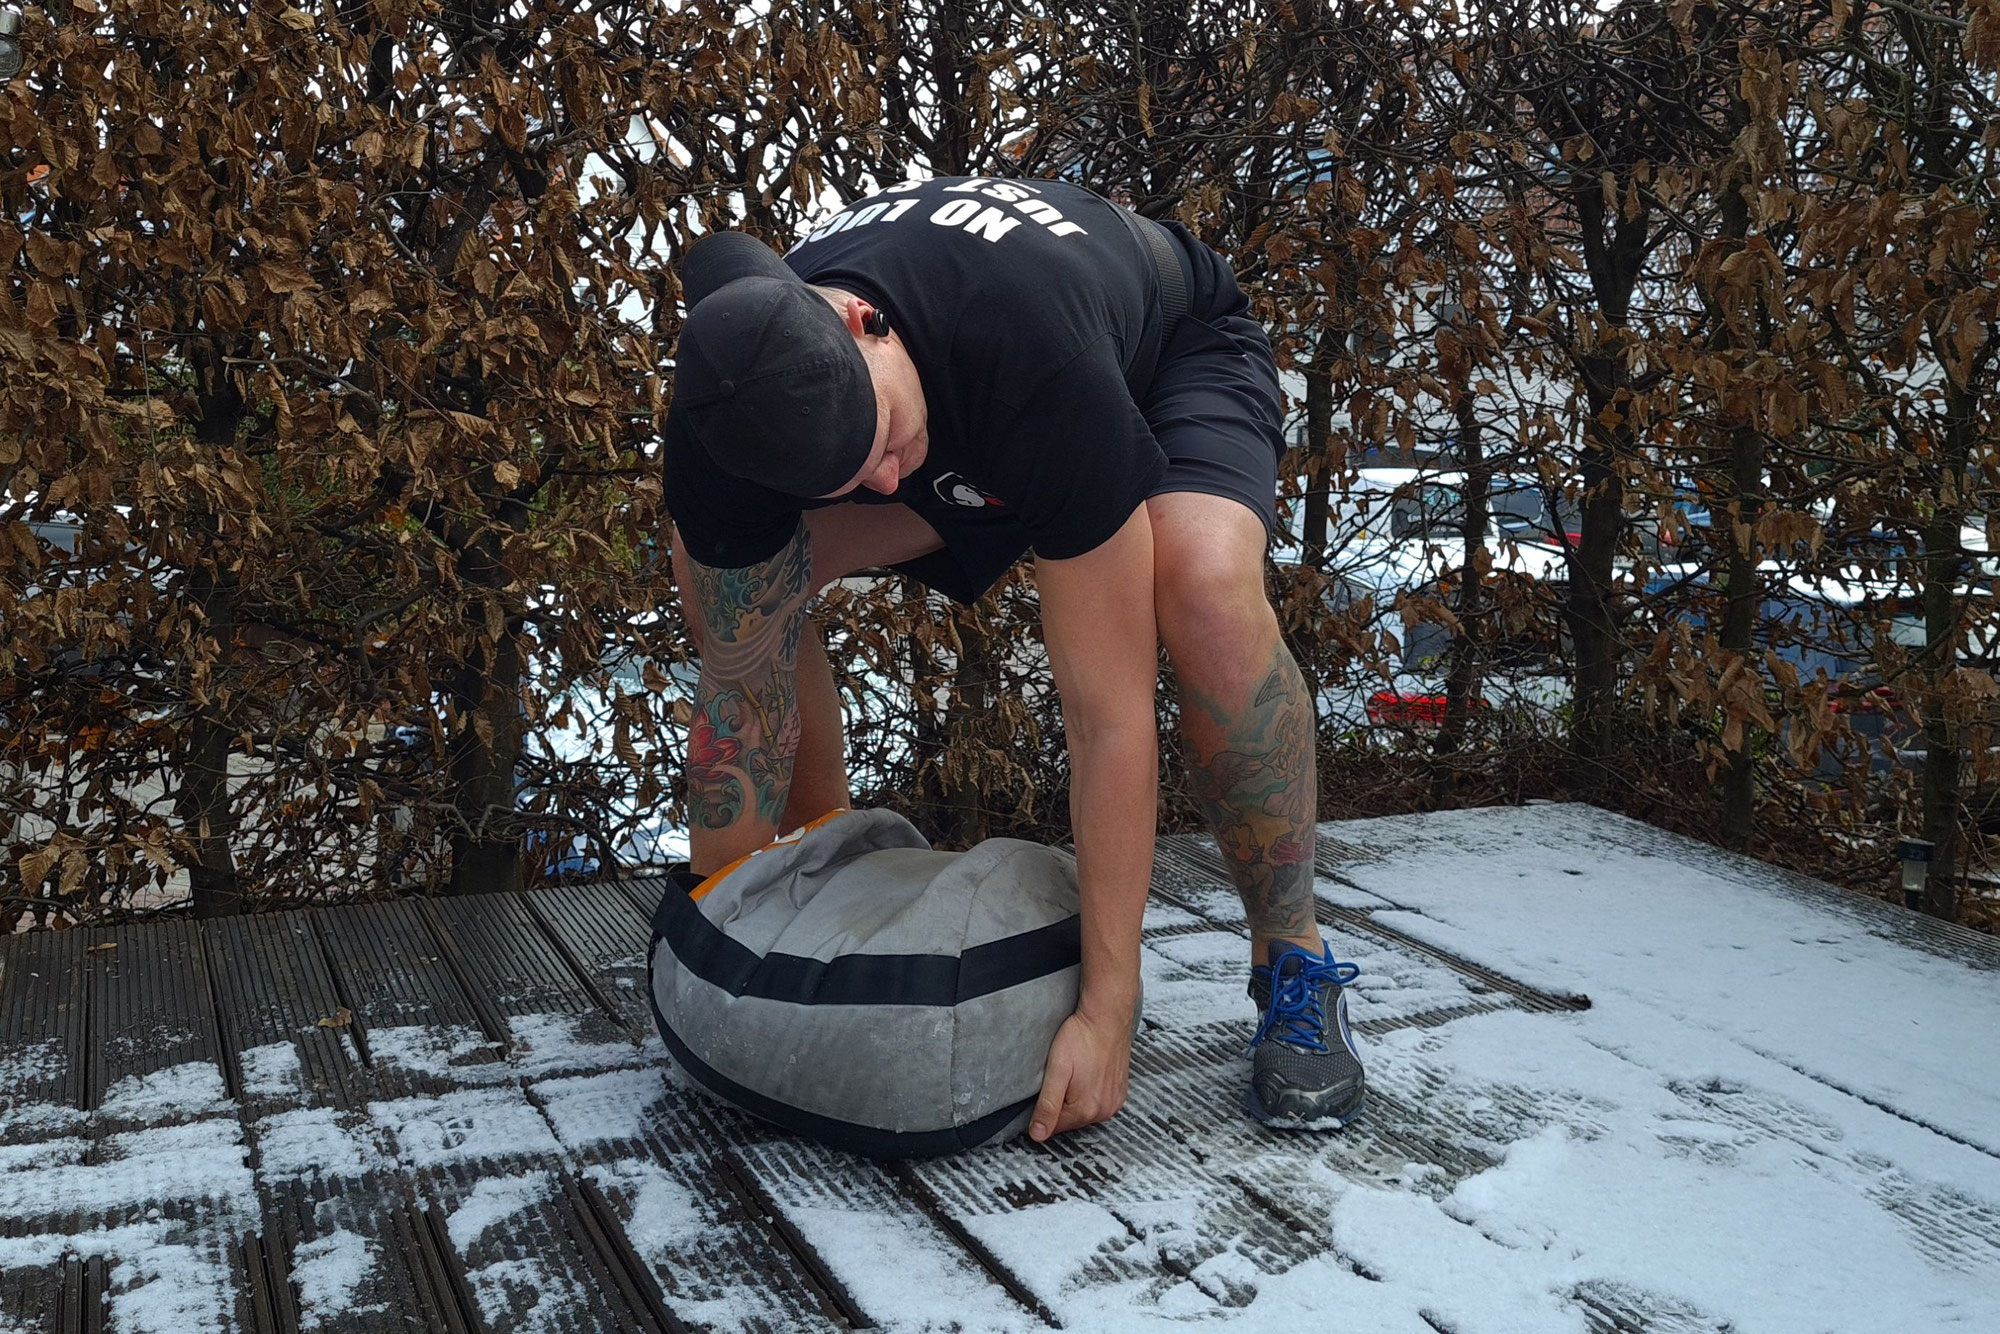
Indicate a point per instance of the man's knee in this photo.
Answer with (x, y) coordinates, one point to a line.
(1203, 606)
(1208, 574)
(690, 604)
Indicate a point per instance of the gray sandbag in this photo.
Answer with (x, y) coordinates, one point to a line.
(854, 986)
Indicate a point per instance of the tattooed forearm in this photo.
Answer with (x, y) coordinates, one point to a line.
(1252, 763)
(745, 731)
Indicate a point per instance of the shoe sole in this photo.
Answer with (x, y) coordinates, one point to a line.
(1339, 1120)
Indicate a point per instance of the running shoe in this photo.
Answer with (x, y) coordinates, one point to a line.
(1305, 1072)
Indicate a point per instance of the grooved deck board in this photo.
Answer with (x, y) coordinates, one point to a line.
(42, 1022)
(410, 1016)
(151, 1011)
(608, 936)
(29, 1294)
(643, 892)
(273, 987)
(299, 1213)
(1194, 862)
(509, 957)
(387, 961)
(529, 1259)
(495, 1137)
(731, 1270)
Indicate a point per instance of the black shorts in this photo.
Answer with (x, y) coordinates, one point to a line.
(1214, 407)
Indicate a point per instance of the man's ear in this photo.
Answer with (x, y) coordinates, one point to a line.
(863, 318)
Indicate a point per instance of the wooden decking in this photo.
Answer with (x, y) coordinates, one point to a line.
(455, 1115)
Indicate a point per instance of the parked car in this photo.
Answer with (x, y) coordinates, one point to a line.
(1396, 535)
(1822, 622)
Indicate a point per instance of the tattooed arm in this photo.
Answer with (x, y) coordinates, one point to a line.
(744, 735)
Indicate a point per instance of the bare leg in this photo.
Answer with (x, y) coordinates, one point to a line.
(819, 775)
(1250, 752)
(1246, 718)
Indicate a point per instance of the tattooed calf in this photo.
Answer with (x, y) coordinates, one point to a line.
(745, 732)
(1253, 773)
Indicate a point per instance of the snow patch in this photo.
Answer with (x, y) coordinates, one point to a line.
(315, 1143)
(203, 1161)
(464, 1126)
(589, 1110)
(1200, 977)
(329, 1271)
(1560, 897)
(493, 1200)
(665, 1213)
(1347, 896)
(545, 1044)
(669, 1225)
(32, 1064)
(45, 1153)
(899, 1263)
(159, 1280)
(526, 1294)
(456, 1052)
(1162, 916)
(1047, 1245)
(272, 1071)
(193, 1088)
(40, 1120)
(1184, 980)
(1618, 1127)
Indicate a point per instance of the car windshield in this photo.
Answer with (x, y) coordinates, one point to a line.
(1516, 509)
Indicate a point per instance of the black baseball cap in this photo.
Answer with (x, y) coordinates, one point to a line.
(770, 379)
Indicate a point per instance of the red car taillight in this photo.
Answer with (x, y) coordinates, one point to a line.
(1387, 708)
(1881, 699)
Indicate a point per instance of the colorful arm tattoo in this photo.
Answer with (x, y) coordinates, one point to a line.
(745, 731)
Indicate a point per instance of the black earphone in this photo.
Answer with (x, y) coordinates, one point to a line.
(876, 322)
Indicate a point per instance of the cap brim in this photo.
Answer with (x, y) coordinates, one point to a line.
(721, 258)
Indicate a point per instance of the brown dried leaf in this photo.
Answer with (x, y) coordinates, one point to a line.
(285, 277)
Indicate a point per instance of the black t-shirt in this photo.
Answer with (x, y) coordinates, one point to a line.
(1023, 305)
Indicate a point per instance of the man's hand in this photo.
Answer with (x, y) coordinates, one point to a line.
(1088, 1065)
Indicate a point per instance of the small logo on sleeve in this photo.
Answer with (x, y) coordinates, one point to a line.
(953, 489)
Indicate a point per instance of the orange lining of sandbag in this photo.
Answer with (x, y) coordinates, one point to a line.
(778, 842)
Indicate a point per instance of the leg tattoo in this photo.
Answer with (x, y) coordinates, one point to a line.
(744, 736)
(1253, 769)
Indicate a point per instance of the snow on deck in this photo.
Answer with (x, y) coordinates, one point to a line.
(1620, 1081)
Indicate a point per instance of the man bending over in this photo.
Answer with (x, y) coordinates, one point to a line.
(941, 379)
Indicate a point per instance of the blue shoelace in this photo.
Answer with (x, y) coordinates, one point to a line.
(1296, 1011)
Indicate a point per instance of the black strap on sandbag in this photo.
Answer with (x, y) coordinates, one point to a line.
(711, 954)
(1173, 297)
